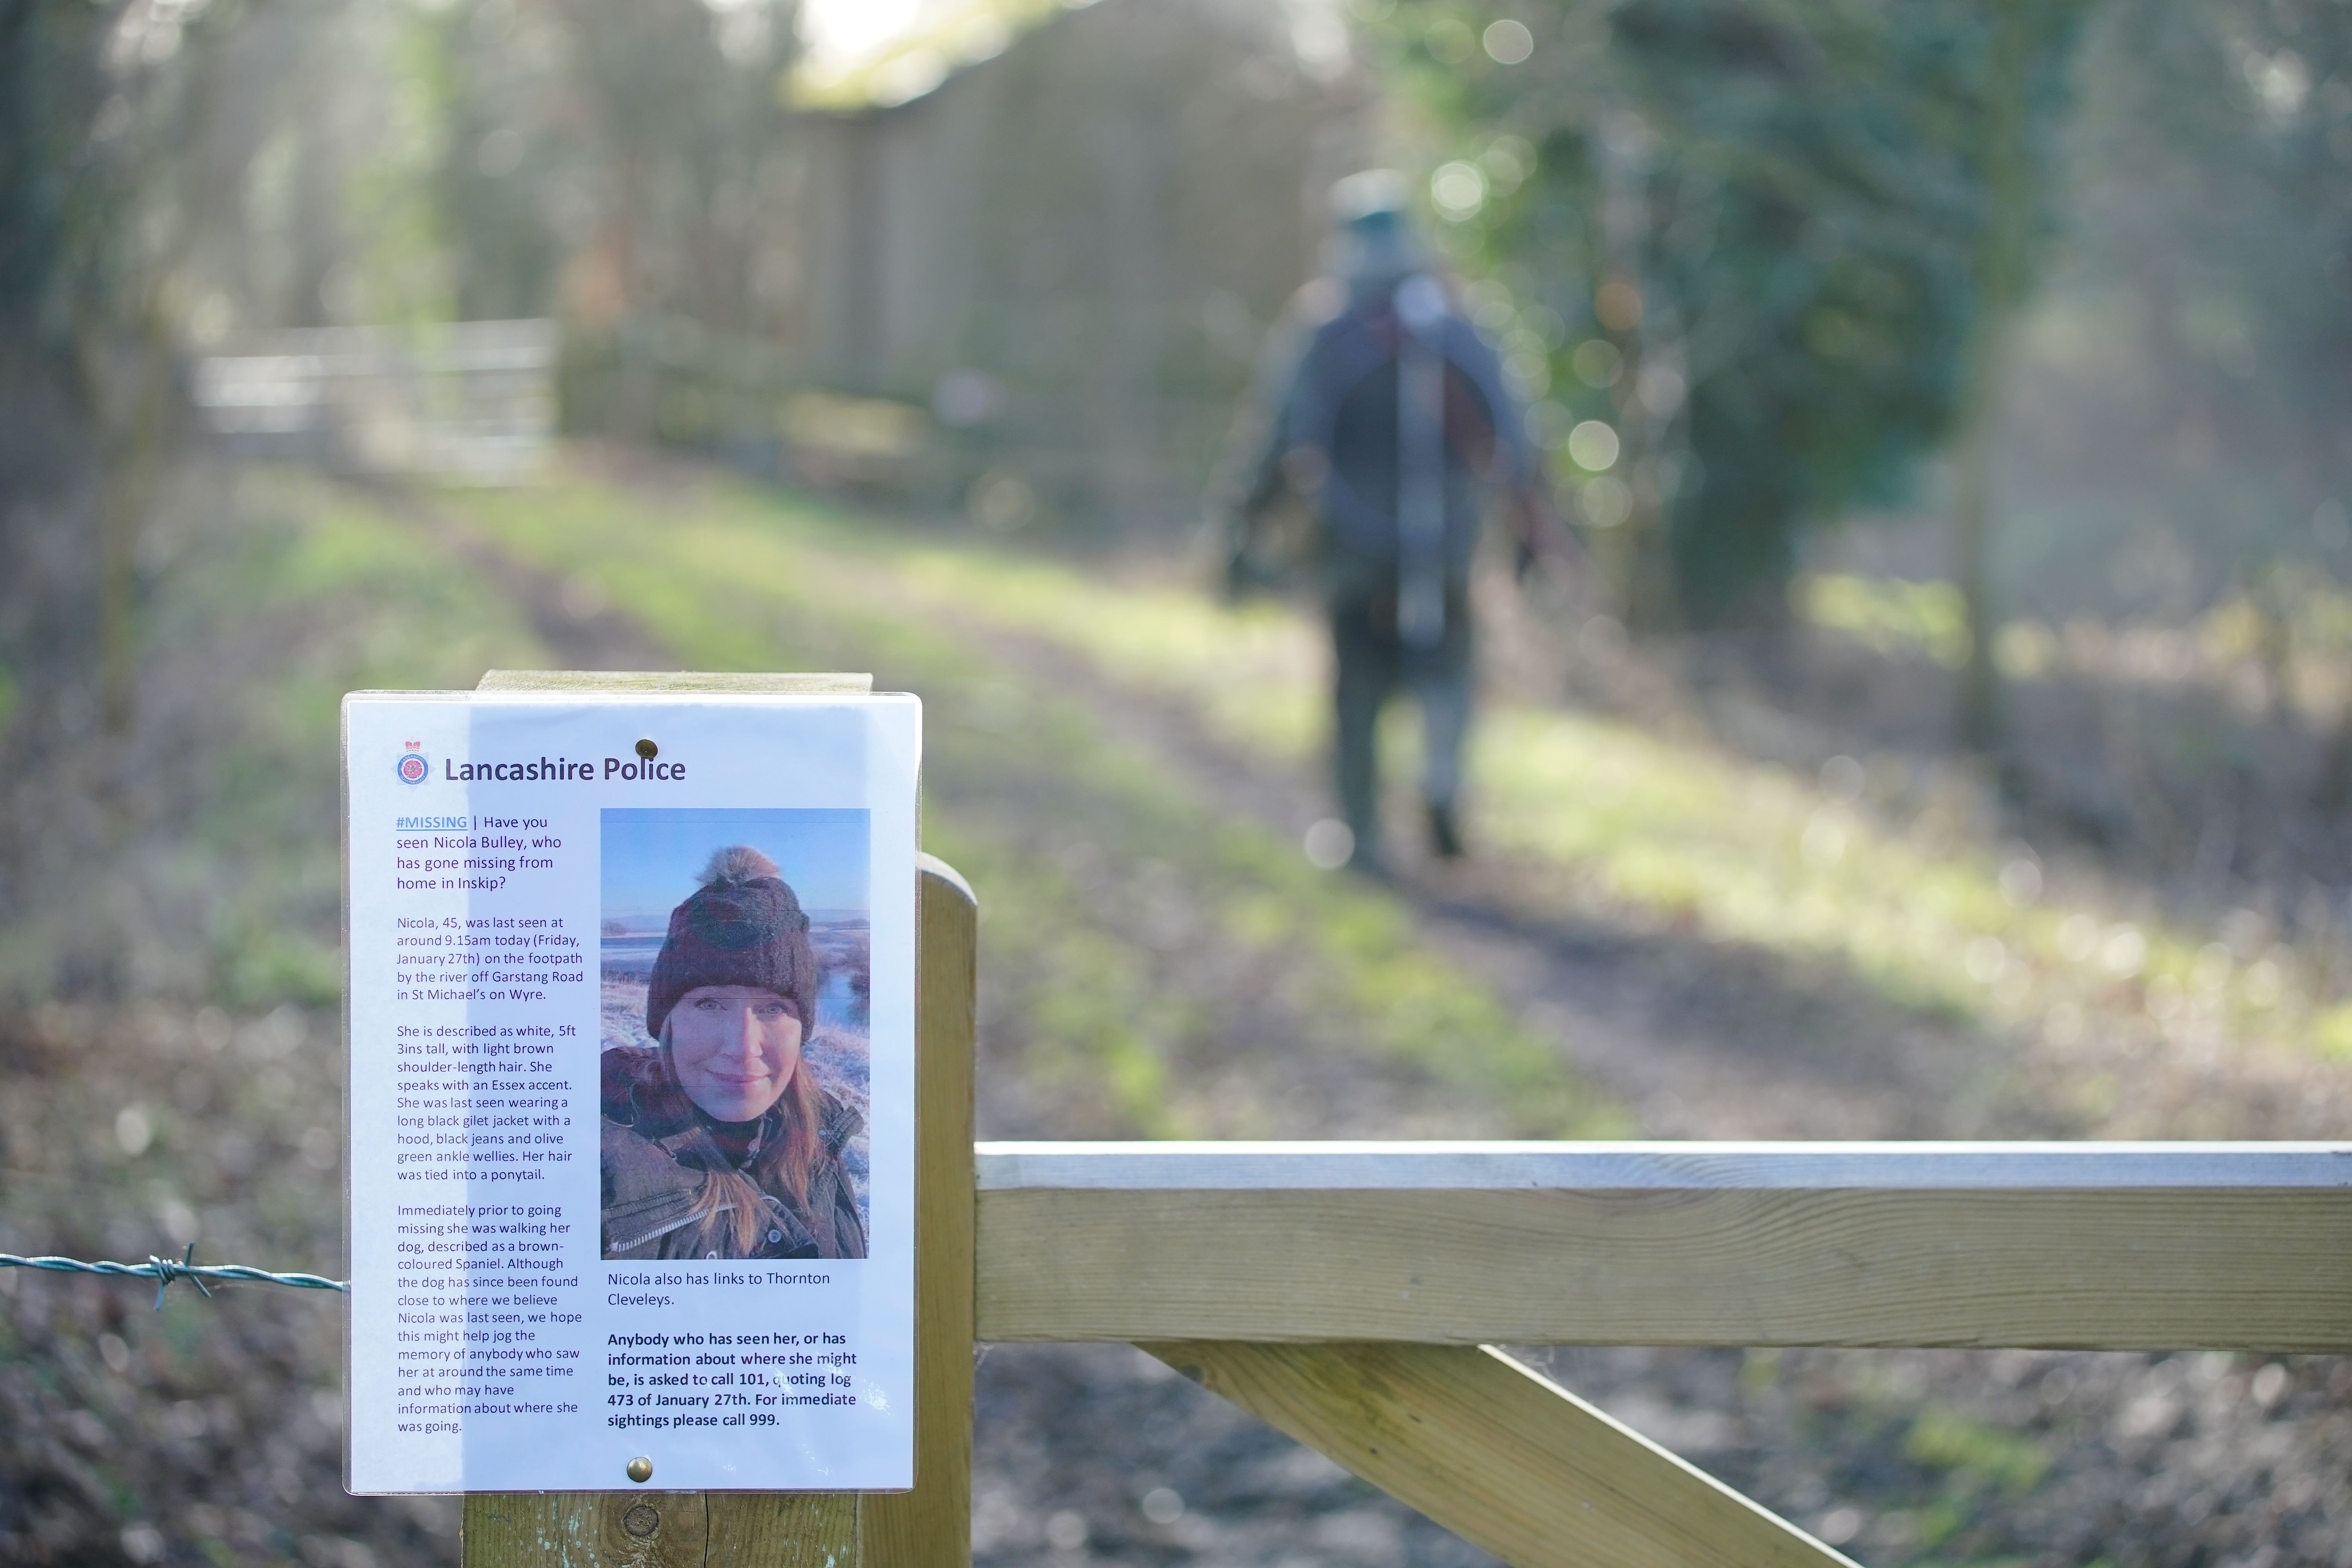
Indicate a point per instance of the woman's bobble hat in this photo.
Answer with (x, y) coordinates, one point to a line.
(743, 926)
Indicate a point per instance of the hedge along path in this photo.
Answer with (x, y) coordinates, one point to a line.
(1123, 1026)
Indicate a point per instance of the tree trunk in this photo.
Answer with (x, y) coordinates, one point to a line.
(2000, 278)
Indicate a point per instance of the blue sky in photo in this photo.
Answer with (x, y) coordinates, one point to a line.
(652, 854)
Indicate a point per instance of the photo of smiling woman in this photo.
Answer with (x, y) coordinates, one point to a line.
(724, 1135)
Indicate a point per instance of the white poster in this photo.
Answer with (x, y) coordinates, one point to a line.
(631, 1021)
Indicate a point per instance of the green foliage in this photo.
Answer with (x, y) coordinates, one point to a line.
(1773, 222)
(500, 166)
(50, 88)
(1977, 1455)
(1894, 618)
(2332, 1033)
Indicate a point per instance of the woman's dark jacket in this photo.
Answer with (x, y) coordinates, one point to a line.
(657, 1146)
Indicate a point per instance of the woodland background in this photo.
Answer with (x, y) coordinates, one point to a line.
(1946, 731)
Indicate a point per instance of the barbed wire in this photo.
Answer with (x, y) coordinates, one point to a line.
(163, 1270)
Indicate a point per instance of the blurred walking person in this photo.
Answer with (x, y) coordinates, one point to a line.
(1387, 418)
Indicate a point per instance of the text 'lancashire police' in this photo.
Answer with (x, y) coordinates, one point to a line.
(561, 768)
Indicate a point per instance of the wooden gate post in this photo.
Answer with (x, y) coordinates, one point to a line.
(930, 1527)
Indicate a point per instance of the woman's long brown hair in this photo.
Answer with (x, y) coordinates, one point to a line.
(732, 1207)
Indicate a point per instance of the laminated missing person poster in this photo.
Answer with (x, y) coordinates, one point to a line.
(630, 1002)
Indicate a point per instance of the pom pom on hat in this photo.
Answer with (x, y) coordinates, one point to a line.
(737, 863)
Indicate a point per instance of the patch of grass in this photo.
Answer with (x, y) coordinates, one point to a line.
(2331, 1033)
(1254, 669)
(1098, 1029)
(1888, 615)
(1977, 1456)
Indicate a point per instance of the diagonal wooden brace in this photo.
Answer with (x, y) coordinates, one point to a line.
(1499, 1454)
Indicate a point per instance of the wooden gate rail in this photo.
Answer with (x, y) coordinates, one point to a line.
(1350, 1293)
(2092, 1247)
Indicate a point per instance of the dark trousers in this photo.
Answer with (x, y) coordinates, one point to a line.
(1372, 664)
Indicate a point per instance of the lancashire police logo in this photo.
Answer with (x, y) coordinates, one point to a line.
(413, 768)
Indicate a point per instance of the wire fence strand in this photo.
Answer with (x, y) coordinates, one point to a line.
(164, 1271)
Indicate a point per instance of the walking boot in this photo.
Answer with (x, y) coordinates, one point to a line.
(1444, 832)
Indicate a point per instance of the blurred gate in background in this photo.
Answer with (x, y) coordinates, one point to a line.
(468, 401)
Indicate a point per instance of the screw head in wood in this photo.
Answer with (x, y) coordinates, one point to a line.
(641, 1470)
(641, 1520)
